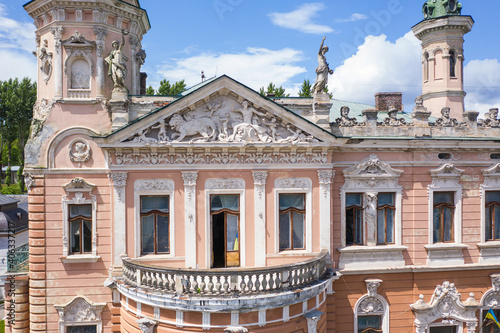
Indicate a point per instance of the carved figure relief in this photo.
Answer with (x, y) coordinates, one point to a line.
(322, 71)
(491, 119)
(344, 119)
(80, 310)
(491, 298)
(445, 120)
(392, 119)
(79, 151)
(371, 173)
(117, 62)
(222, 121)
(46, 61)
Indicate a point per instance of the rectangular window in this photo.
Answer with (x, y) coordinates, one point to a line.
(492, 215)
(354, 219)
(488, 325)
(385, 218)
(225, 211)
(292, 221)
(155, 222)
(443, 216)
(82, 329)
(80, 225)
(443, 329)
(369, 324)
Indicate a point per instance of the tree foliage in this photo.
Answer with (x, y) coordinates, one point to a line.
(305, 90)
(150, 91)
(272, 89)
(167, 89)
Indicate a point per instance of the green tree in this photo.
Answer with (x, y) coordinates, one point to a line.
(305, 90)
(167, 89)
(150, 91)
(272, 89)
(326, 91)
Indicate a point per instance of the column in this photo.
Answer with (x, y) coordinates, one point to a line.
(259, 181)
(190, 178)
(325, 211)
(57, 31)
(134, 44)
(101, 73)
(119, 218)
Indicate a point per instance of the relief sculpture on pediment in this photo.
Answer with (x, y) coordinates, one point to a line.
(223, 121)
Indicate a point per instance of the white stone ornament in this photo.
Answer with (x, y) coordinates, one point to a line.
(371, 173)
(46, 62)
(80, 310)
(146, 325)
(79, 151)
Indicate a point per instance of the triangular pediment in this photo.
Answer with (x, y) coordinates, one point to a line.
(220, 113)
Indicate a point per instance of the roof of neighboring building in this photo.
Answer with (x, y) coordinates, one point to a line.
(13, 214)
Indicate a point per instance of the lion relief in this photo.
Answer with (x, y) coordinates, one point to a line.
(204, 127)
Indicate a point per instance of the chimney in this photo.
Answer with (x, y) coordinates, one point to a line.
(385, 101)
(144, 77)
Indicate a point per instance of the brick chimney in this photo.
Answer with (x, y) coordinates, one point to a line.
(386, 101)
(143, 87)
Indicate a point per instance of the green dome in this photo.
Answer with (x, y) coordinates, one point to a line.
(438, 8)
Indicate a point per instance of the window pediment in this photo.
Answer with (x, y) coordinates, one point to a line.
(371, 173)
(77, 46)
(491, 298)
(80, 310)
(447, 175)
(492, 176)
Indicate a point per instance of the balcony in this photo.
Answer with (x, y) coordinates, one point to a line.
(225, 289)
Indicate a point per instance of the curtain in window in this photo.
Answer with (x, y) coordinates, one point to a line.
(225, 201)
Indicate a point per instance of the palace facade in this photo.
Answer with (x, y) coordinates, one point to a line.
(223, 210)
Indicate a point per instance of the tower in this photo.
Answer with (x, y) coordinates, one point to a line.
(442, 35)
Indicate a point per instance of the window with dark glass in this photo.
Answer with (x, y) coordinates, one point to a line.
(291, 220)
(354, 219)
(82, 329)
(492, 215)
(385, 218)
(155, 224)
(443, 216)
(453, 62)
(443, 329)
(488, 325)
(369, 324)
(225, 212)
(426, 66)
(80, 225)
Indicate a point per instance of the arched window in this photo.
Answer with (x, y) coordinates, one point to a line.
(491, 300)
(426, 66)
(453, 62)
(371, 312)
(80, 74)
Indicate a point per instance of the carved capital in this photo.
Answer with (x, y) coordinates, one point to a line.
(119, 182)
(100, 33)
(259, 180)
(325, 180)
(189, 178)
(57, 31)
(146, 325)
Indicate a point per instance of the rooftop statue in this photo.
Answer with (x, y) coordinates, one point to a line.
(439, 8)
(322, 71)
(118, 64)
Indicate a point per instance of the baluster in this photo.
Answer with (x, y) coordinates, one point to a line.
(264, 282)
(202, 285)
(226, 284)
(195, 284)
(279, 281)
(257, 283)
(164, 281)
(250, 284)
(218, 285)
(272, 281)
(210, 285)
(243, 284)
(171, 278)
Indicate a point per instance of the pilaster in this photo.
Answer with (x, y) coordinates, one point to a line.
(100, 43)
(119, 180)
(190, 178)
(325, 184)
(57, 31)
(260, 178)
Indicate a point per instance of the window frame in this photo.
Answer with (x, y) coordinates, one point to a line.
(155, 213)
(372, 296)
(82, 221)
(294, 186)
(227, 212)
(291, 224)
(441, 207)
(493, 222)
(355, 210)
(154, 187)
(385, 208)
(70, 326)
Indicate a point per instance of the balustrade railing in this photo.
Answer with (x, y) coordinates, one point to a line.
(226, 282)
(79, 93)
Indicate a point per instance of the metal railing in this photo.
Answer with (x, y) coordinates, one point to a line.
(220, 282)
(19, 260)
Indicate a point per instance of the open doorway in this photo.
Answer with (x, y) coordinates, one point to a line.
(225, 229)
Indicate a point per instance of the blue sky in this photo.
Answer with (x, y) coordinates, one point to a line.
(371, 45)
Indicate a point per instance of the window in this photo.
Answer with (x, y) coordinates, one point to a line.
(369, 324)
(80, 221)
(291, 221)
(354, 219)
(155, 224)
(492, 218)
(225, 212)
(386, 210)
(82, 329)
(489, 326)
(443, 329)
(426, 66)
(443, 217)
(453, 62)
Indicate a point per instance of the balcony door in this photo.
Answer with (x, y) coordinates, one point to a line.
(225, 230)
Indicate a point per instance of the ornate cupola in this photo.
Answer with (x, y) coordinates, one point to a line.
(442, 35)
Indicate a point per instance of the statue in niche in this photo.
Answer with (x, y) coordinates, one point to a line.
(344, 119)
(445, 120)
(322, 71)
(393, 120)
(492, 119)
(117, 62)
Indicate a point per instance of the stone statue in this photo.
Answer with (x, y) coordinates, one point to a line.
(491, 119)
(322, 71)
(344, 119)
(117, 62)
(393, 120)
(445, 120)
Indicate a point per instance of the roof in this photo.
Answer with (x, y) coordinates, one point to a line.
(13, 216)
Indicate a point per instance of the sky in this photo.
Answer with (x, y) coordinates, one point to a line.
(372, 48)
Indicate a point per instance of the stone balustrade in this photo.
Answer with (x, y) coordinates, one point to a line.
(79, 93)
(226, 282)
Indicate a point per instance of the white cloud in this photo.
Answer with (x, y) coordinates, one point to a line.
(380, 66)
(254, 68)
(17, 41)
(482, 84)
(301, 19)
(354, 17)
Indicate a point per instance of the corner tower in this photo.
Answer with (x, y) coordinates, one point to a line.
(442, 35)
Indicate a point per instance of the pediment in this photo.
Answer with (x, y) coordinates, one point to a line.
(372, 167)
(77, 40)
(221, 113)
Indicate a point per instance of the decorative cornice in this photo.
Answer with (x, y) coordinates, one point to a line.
(154, 185)
(225, 184)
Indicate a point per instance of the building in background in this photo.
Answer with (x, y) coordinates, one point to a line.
(223, 210)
